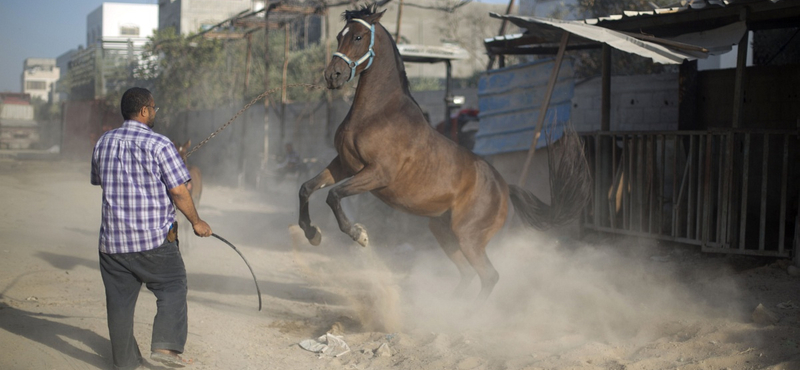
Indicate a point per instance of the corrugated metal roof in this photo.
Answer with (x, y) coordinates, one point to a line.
(649, 49)
(510, 99)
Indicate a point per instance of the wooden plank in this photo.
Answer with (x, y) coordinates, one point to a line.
(680, 194)
(639, 188)
(764, 182)
(784, 181)
(674, 185)
(543, 109)
(691, 195)
(661, 185)
(597, 185)
(651, 163)
(726, 186)
(626, 180)
(701, 169)
(738, 89)
(745, 182)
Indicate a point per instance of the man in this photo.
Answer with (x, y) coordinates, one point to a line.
(142, 176)
(292, 163)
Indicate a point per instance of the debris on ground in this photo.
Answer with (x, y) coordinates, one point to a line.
(763, 316)
(328, 344)
(383, 351)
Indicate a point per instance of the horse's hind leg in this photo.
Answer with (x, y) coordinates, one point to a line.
(330, 175)
(473, 228)
(473, 245)
(440, 227)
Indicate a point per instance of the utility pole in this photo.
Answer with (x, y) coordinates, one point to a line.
(399, 18)
(501, 32)
(247, 65)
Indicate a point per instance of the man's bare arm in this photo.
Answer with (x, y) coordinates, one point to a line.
(183, 200)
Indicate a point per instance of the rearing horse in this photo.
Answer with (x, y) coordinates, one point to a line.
(386, 147)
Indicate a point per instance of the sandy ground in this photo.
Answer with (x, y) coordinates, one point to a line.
(596, 303)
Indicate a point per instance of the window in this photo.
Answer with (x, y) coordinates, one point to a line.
(129, 30)
(35, 85)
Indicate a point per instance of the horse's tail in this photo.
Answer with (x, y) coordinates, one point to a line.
(570, 187)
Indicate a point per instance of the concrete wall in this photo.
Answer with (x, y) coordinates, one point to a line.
(234, 156)
(771, 97)
(638, 103)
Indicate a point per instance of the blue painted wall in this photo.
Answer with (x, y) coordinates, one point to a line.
(510, 99)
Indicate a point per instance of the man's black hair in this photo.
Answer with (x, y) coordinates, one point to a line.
(133, 101)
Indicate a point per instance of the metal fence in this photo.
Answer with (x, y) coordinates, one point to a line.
(729, 191)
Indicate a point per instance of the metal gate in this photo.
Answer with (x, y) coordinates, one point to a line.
(729, 191)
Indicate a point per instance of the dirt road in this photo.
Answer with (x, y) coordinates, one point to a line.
(560, 303)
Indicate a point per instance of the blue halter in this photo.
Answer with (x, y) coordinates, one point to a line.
(370, 54)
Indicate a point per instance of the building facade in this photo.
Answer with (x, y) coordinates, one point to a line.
(192, 16)
(116, 34)
(115, 25)
(39, 76)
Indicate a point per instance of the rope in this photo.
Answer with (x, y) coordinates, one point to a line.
(257, 98)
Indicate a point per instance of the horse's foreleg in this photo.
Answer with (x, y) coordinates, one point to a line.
(366, 180)
(329, 176)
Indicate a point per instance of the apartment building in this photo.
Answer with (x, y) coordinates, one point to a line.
(115, 36)
(39, 76)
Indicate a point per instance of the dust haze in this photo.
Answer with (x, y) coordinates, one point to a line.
(556, 291)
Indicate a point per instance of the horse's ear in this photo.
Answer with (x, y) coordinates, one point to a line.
(374, 18)
(188, 143)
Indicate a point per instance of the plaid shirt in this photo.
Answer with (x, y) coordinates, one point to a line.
(135, 167)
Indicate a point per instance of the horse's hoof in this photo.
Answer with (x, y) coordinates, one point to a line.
(360, 235)
(316, 238)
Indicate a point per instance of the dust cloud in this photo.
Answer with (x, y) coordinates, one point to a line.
(556, 292)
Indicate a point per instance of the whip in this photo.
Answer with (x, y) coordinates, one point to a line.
(246, 263)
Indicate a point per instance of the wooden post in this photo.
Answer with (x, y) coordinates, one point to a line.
(399, 18)
(266, 86)
(543, 109)
(286, 34)
(247, 66)
(501, 32)
(741, 68)
(605, 109)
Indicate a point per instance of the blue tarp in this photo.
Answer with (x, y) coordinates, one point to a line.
(509, 100)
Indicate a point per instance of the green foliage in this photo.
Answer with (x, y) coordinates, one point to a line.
(188, 74)
(425, 84)
(195, 73)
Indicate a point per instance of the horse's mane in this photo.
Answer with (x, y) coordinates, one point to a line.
(366, 10)
(370, 9)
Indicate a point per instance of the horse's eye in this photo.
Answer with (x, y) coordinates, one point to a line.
(358, 38)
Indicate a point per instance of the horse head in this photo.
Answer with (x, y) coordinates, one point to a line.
(183, 149)
(356, 41)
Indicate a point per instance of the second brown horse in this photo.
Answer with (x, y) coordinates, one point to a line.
(386, 147)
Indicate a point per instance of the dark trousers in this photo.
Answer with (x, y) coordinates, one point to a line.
(163, 272)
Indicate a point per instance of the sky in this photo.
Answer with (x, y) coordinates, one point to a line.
(47, 29)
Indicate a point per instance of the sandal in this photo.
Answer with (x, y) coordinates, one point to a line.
(171, 360)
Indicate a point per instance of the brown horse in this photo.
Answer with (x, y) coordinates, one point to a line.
(385, 146)
(196, 185)
(185, 230)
